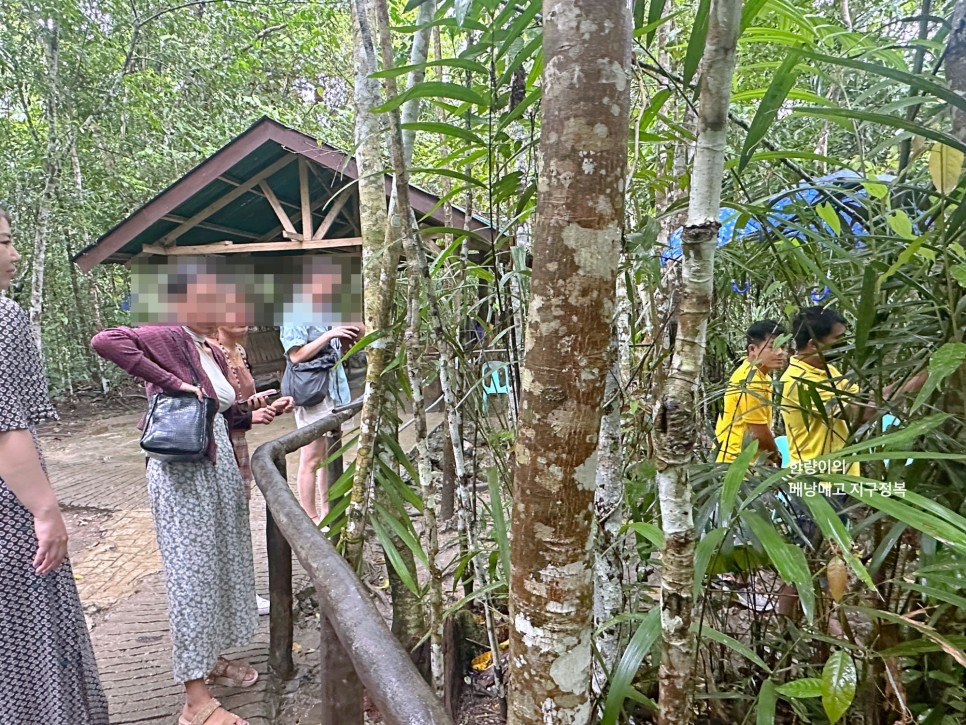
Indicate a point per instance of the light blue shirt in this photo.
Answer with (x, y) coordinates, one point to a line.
(299, 335)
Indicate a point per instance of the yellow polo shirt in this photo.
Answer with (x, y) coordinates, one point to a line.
(748, 400)
(813, 432)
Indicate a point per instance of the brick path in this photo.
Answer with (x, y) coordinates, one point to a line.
(120, 577)
(99, 467)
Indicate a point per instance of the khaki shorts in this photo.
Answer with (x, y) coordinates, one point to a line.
(304, 415)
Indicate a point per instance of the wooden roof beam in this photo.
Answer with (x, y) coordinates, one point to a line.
(277, 207)
(221, 202)
(211, 227)
(251, 247)
(331, 216)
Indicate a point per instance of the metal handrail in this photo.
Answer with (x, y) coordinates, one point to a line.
(356, 646)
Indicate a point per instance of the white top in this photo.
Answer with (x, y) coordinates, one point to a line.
(223, 389)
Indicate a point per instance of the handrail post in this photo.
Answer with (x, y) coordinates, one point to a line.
(341, 690)
(281, 621)
(342, 702)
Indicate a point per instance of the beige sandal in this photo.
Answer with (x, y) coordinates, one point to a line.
(230, 673)
(204, 715)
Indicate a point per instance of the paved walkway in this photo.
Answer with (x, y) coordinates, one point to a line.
(98, 474)
(119, 577)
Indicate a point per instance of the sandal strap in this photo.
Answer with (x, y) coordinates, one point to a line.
(202, 716)
(235, 670)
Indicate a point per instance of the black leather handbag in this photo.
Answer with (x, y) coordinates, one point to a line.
(308, 382)
(179, 426)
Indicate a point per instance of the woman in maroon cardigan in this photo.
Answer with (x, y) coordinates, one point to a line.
(200, 508)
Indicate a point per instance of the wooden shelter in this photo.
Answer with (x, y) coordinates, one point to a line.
(271, 189)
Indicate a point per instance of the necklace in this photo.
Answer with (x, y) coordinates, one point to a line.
(232, 367)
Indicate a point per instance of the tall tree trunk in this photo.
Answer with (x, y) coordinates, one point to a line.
(609, 510)
(676, 427)
(379, 273)
(381, 247)
(45, 209)
(428, 487)
(580, 212)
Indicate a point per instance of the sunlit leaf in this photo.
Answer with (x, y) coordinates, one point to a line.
(830, 217)
(839, 680)
(945, 167)
(801, 689)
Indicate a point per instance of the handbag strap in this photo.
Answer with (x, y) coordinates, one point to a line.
(196, 378)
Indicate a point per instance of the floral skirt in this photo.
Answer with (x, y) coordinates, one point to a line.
(201, 520)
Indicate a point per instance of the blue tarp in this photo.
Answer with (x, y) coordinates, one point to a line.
(844, 186)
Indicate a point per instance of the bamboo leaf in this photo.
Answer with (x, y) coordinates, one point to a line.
(782, 82)
(517, 28)
(905, 256)
(801, 689)
(750, 12)
(945, 168)
(703, 554)
(445, 129)
(788, 560)
(649, 531)
(839, 680)
(395, 559)
(914, 647)
(500, 529)
(936, 593)
(654, 13)
(732, 482)
(462, 9)
(696, 43)
(941, 529)
(405, 534)
(452, 174)
(942, 363)
(528, 100)
(721, 638)
(463, 63)
(830, 217)
(623, 674)
(767, 702)
(882, 119)
(434, 89)
(865, 318)
(945, 644)
(920, 83)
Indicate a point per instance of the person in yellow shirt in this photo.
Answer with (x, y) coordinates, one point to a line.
(748, 398)
(815, 430)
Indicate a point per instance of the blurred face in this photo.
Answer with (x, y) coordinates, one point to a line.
(208, 303)
(8, 255)
(827, 345)
(768, 355)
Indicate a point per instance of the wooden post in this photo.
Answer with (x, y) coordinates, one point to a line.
(306, 199)
(281, 621)
(341, 689)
